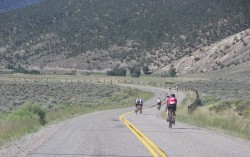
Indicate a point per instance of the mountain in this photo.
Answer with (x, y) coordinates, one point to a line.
(7, 5)
(99, 35)
(228, 58)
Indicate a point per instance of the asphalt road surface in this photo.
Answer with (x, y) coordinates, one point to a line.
(103, 134)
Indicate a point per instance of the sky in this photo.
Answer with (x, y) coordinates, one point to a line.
(7, 5)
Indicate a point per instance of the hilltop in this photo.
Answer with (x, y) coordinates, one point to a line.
(99, 35)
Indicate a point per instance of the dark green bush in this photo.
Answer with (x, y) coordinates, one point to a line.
(172, 71)
(34, 72)
(73, 72)
(117, 72)
(9, 66)
(146, 71)
(136, 73)
(21, 69)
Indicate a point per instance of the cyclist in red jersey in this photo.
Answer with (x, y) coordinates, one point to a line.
(172, 104)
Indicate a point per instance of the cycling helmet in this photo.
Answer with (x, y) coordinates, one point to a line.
(172, 95)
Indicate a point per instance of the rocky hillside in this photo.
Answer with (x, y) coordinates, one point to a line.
(99, 35)
(229, 56)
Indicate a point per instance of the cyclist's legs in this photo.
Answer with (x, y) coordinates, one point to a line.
(167, 113)
(137, 105)
(174, 112)
(173, 107)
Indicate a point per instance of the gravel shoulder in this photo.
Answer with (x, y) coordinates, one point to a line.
(27, 143)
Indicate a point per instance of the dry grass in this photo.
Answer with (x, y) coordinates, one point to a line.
(222, 118)
(21, 121)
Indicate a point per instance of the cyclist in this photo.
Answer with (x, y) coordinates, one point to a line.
(166, 100)
(141, 104)
(159, 103)
(136, 103)
(172, 104)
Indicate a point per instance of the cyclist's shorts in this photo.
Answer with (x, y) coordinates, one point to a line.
(172, 106)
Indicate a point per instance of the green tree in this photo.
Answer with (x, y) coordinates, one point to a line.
(117, 72)
(9, 66)
(172, 71)
(136, 72)
(145, 70)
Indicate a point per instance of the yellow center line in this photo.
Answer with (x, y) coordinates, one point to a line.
(154, 150)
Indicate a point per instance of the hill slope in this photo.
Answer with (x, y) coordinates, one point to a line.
(94, 34)
(230, 55)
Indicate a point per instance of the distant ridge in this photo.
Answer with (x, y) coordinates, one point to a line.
(98, 35)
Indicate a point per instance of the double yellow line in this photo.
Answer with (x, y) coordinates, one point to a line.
(154, 150)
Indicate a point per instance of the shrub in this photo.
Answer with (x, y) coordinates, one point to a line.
(221, 107)
(136, 72)
(145, 70)
(31, 110)
(117, 72)
(20, 69)
(34, 72)
(243, 108)
(197, 59)
(9, 66)
(73, 72)
(172, 71)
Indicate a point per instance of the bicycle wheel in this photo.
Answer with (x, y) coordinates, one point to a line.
(170, 118)
(136, 109)
(158, 107)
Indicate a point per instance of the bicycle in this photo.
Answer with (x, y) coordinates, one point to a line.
(170, 118)
(137, 108)
(158, 106)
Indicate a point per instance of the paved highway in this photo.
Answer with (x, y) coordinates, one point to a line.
(104, 134)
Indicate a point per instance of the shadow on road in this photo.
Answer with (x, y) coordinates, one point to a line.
(186, 128)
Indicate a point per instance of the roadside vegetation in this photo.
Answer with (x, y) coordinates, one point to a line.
(20, 69)
(73, 100)
(231, 117)
(64, 96)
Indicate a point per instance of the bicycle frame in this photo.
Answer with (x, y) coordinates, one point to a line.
(170, 118)
(138, 108)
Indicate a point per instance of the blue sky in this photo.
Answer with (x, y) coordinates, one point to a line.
(6, 5)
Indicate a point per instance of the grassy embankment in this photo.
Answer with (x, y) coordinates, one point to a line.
(31, 116)
(230, 117)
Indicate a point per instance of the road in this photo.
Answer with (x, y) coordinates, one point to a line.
(103, 134)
